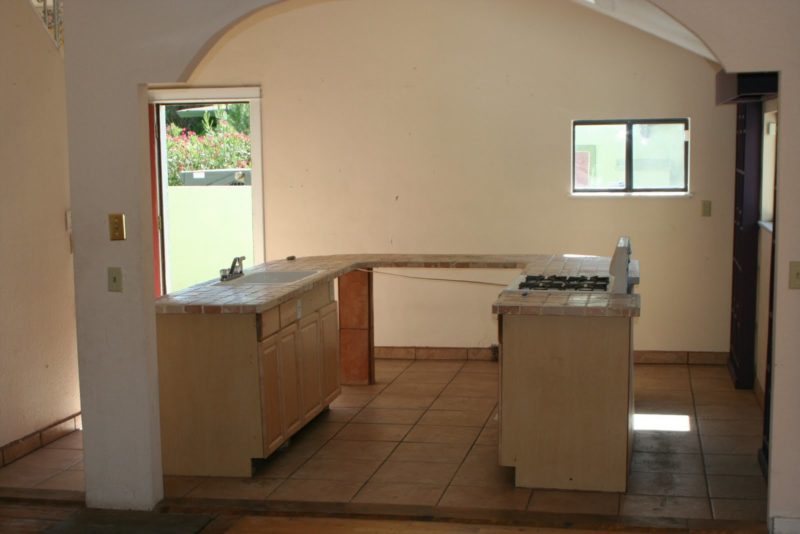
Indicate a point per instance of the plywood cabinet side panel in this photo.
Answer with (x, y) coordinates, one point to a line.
(569, 382)
(309, 359)
(209, 394)
(329, 332)
(272, 423)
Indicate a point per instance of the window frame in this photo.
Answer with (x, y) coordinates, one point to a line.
(629, 124)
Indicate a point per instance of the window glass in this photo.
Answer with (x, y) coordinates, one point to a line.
(658, 156)
(630, 155)
(600, 156)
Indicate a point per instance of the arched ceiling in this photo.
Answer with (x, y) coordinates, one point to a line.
(650, 19)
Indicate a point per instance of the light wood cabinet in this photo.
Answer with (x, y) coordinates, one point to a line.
(566, 401)
(235, 387)
(309, 366)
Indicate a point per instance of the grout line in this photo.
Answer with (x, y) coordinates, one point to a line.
(700, 444)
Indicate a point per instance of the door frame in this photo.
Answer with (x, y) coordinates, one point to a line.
(204, 95)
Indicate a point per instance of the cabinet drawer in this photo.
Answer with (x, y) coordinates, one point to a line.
(267, 323)
(306, 304)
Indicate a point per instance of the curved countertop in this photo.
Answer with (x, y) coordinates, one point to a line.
(215, 297)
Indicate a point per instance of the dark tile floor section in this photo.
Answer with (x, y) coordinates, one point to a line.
(426, 434)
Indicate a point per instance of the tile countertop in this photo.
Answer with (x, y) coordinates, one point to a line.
(215, 297)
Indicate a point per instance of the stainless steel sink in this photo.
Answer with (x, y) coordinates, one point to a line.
(271, 277)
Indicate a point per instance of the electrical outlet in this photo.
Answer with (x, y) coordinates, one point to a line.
(115, 279)
(794, 275)
(706, 208)
(116, 226)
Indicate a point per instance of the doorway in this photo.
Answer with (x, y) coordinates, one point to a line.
(207, 187)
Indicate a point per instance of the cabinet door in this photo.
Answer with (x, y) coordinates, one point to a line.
(329, 333)
(309, 356)
(287, 375)
(271, 418)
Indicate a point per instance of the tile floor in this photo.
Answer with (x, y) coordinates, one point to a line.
(426, 434)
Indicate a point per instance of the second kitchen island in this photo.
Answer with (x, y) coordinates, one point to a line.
(566, 382)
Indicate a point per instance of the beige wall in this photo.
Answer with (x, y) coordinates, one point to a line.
(420, 126)
(38, 360)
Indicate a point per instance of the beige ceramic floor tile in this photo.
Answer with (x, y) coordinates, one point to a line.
(315, 491)
(388, 415)
(665, 506)
(385, 400)
(473, 404)
(256, 489)
(65, 480)
(318, 430)
(731, 444)
(655, 441)
(727, 411)
(24, 476)
(414, 388)
(338, 415)
(284, 462)
(481, 468)
(509, 498)
(430, 473)
(710, 371)
(425, 377)
(434, 365)
(176, 487)
(51, 458)
(712, 384)
(574, 502)
(490, 435)
(731, 427)
(736, 487)
(442, 434)
(373, 432)
(489, 391)
(430, 452)
(739, 509)
(728, 398)
(352, 400)
(481, 367)
(73, 440)
(453, 418)
(399, 493)
(343, 469)
(356, 450)
(679, 485)
(655, 462)
(732, 464)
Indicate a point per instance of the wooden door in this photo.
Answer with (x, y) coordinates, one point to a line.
(329, 333)
(749, 118)
(309, 356)
(271, 420)
(287, 371)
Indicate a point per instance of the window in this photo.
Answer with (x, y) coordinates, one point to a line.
(630, 156)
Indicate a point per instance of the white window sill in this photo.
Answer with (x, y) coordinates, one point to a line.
(609, 194)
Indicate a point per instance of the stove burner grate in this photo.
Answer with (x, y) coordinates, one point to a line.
(538, 282)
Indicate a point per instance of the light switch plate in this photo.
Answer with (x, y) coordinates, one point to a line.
(794, 275)
(115, 279)
(706, 208)
(116, 226)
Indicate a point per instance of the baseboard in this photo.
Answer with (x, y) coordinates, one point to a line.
(16, 449)
(490, 354)
(437, 353)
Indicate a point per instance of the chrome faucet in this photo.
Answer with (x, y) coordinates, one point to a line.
(236, 270)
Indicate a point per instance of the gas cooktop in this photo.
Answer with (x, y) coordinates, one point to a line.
(540, 282)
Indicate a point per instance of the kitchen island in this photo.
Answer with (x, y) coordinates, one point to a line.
(243, 366)
(566, 380)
